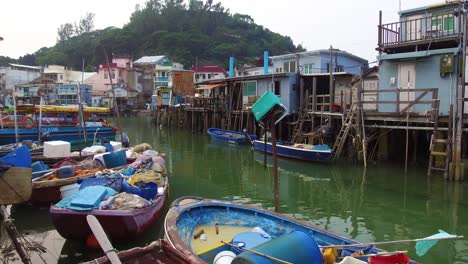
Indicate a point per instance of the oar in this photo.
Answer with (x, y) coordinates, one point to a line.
(422, 244)
(47, 174)
(258, 253)
(102, 239)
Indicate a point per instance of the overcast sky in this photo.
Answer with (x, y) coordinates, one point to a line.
(28, 25)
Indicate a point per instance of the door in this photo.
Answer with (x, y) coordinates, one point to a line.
(370, 86)
(413, 26)
(406, 81)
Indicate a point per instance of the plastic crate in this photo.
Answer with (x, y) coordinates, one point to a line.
(269, 107)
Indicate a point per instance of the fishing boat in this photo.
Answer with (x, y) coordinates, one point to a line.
(230, 136)
(296, 151)
(48, 191)
(119, 224)
(15, 179)
(50, 122)
(158, 251)
(205, 230)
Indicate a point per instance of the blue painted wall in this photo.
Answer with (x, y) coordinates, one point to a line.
(288, 96)
(427, 76)
(350, 65)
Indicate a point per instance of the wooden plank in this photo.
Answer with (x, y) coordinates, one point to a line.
(15, 186)
(416, 101)
(438, 153)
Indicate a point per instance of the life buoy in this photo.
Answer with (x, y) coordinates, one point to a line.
(28, 122)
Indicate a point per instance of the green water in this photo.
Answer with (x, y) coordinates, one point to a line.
(374, 205)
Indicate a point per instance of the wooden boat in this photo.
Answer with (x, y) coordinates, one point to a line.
(119, 225)
(46, 192)
(296, 151)
(58, 123)
(158, 251)
(230, 136)
(15, 183)
(225, 226)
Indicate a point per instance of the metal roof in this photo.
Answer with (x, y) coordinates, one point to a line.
(151, 60)
(327, 74)
(24, 66)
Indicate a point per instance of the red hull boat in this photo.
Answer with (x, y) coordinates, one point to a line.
(119, 225)
(157, 252)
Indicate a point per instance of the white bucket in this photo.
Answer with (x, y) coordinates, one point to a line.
(69, 190)
(224, 257)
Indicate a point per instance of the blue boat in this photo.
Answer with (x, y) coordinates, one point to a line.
(296, 151)
(74, 135)
(230, 136)
(50, 122)
(207, 230)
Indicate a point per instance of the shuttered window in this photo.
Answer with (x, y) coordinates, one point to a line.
(249, 88)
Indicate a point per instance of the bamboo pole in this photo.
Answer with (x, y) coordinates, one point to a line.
(116, 106)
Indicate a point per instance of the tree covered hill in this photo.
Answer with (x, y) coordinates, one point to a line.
(186, 31)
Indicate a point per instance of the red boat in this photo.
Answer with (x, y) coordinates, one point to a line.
(119, 225)
(157, 252)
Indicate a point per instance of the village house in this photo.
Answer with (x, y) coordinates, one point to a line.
(13, 75)
(421, 79)
(147, 66)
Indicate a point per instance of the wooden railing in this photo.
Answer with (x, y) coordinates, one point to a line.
(203, 103)
(403, 105)
(427, 28)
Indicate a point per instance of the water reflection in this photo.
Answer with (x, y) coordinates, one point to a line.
(376, 204)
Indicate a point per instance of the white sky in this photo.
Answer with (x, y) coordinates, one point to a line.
(28, 25)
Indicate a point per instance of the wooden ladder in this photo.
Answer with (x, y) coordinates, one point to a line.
(298, 127)
(434, 153)
(341, 138)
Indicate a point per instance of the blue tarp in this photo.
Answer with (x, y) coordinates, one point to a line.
(19, 158)
(83, 195)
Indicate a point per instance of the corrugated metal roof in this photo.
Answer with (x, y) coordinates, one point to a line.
(151, 60)
(24, 66)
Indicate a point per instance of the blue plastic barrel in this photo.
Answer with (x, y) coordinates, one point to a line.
(115, 159)
(295, 247)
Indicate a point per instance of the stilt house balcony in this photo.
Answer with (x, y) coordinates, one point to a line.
(425, 33)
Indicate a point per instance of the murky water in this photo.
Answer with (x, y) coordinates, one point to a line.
(379, 204)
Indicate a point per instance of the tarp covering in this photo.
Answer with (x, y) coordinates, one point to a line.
(19, 158)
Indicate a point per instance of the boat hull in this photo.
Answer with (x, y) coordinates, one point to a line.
(289, 151)
(74, 135)
(119, 225)
(229, 136)
(46, 192)
(189, 214)
(157, 252)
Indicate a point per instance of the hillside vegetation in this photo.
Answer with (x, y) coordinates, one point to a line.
(186, 31)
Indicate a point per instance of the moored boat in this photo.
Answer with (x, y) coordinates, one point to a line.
(56, 123)
(296, 151)
(124, 216)
(15, 174)
(230, 136)
(204, 230)
(158, 251)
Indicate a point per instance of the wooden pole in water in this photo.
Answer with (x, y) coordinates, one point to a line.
(116, 107)
(13, 234)
(16, 119)
(275, 163)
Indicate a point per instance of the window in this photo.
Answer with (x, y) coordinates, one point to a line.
(61, 77)
(204, 76)
(113, 74)
(277, 88)
(308, 68)
(165, 95)
(339, 68)
(289, 66)
(279, 70)
(328, 67)
(448, 23)
(163, 74)
(249, 88)
(209, 76)
(120, 73)
(197, 76)
(436, 23)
